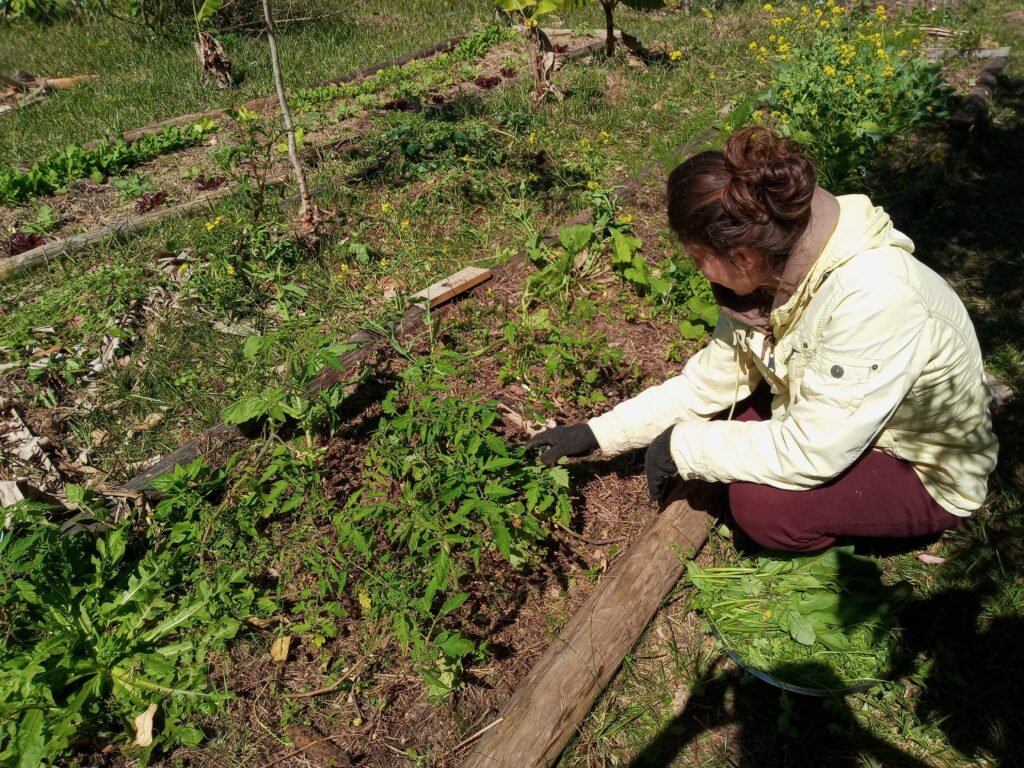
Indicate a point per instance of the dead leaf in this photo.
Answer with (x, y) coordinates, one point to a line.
(99, 438)
(390, 287)
(148, 423)
(279, 648)
(318, 749)
(144, 727)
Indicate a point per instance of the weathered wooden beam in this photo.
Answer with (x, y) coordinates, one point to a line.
(367, 344)
(534, 726)
(133, 224)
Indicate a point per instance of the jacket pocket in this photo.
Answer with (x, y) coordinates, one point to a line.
(841, 380)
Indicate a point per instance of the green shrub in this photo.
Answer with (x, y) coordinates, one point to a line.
(99, 627)
(845, 88)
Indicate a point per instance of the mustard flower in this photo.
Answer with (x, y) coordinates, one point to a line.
(675, 55)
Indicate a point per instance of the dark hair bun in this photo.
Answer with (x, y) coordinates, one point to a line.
(770, 179)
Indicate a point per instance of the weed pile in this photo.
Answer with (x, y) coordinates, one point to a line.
(823, 622)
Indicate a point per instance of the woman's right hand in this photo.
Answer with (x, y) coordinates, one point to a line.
(570, 440)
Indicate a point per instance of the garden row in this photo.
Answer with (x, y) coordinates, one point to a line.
(88, 188)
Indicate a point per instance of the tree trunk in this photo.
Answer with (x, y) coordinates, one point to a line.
(546, 710)
(609, 25)
(307, 212)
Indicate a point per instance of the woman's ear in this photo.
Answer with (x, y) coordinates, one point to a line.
(750, 262)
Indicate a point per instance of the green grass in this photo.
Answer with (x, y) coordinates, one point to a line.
(146, 76)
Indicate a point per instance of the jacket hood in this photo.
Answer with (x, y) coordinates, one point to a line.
(861, 226)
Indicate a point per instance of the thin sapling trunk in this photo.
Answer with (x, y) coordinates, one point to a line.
(308, 213)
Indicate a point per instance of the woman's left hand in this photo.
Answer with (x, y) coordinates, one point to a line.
(660, 466)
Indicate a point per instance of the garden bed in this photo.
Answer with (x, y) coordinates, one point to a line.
(611, 508)
(319, 672)
(334, 118)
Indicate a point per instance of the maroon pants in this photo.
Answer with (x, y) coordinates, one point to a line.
(879, 496)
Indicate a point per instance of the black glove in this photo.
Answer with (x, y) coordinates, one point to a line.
(660, 466)
(572, 440)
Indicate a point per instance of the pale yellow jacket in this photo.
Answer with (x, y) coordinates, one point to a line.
(873, 350)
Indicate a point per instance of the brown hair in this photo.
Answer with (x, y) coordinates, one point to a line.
(755, 193)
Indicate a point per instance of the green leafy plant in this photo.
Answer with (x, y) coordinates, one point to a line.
(132, 186)
(44, 222)
(806, 620)
(101, 629)
(52, 174)
(442, 494)
(554, 356)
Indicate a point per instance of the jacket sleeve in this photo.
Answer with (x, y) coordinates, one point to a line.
(873, 346)
(712, 380)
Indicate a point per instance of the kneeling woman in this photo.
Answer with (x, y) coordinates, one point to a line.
(850, 371)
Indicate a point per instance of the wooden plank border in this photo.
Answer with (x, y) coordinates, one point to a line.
(367, 344)
(533, 728)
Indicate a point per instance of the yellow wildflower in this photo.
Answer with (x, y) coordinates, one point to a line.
(404, 225)
(230, 269)
(824, 24)
(212, 225)
(625, 218)
(752, 46)
(364, 600)
(593, 185)
(532, 139)
(804, 10)
(829, 70)
(837, 10)
(584, 142)
(889, 71)
(771, 38)
(769, 7)
(675, 55)
(758, 115)
(849, 80)
(385, 207)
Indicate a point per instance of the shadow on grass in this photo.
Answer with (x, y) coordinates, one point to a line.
(964, 671)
